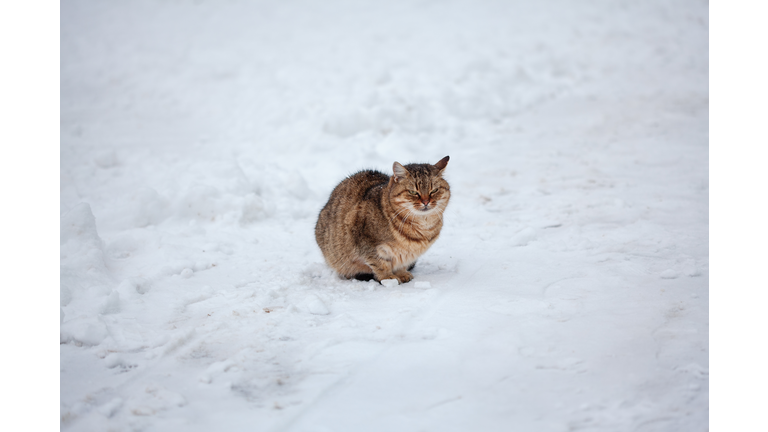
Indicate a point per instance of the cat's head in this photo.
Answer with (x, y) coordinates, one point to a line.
(420, 187)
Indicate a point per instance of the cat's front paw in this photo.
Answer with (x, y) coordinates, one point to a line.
(404, 276)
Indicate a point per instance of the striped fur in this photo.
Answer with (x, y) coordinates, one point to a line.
(376, 226)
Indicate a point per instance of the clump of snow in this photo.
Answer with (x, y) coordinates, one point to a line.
(149, 207)
(113, 360)
(523, 237)
(389, 283)
(669, 274)
(79, 238)
(87, 331)
(314, 305)
(254, 209)
(130, 287)
(111, 304)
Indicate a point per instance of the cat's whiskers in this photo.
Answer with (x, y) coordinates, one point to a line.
(400, 211)
(439, 213)
(402, 224)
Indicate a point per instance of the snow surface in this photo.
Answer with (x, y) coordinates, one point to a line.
(569, 288)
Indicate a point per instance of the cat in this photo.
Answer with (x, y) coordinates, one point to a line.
(375, 226)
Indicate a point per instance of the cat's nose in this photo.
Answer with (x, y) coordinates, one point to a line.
(425, 201)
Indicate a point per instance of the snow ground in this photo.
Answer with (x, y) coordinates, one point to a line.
(568, 291)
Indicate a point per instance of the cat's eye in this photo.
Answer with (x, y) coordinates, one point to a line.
(413, 192)
(433, 191)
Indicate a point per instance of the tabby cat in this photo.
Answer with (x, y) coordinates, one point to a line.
(375, 226)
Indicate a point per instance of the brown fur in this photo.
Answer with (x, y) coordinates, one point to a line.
(377, 224)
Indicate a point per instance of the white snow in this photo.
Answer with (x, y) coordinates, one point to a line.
(569, 289)
(389, 283)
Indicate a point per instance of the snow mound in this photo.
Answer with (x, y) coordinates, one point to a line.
(84, 274)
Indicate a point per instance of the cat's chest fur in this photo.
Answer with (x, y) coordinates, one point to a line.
(404, 249)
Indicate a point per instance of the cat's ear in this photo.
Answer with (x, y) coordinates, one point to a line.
(440, 165)
(400, 171)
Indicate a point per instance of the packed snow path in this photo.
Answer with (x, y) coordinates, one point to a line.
(568, 291)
